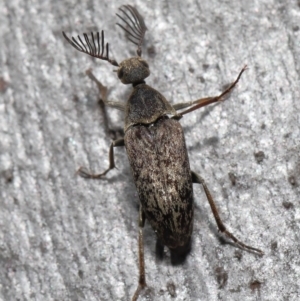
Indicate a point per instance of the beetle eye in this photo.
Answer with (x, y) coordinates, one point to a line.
(145, 63)
(120, 73)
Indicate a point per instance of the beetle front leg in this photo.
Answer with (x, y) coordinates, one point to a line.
(103, 93)
(199, 180)
(85, 174)
(142, 274)
(199, 103)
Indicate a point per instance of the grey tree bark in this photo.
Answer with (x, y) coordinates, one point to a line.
(66, 238)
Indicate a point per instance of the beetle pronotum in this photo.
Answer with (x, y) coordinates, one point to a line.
(155, 146)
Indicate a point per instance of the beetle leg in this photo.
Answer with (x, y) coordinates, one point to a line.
(199, 180)
(103, 92)
(199, 103)
(85, 174)
(142, 274)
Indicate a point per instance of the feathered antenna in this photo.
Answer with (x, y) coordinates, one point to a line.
(91, 48)
(135, 26)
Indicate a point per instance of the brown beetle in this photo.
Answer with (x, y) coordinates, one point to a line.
(155, 146)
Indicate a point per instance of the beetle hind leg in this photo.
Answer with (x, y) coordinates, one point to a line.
(142, 274)
(199, 180)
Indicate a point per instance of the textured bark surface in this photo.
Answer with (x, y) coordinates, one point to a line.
(67, 238)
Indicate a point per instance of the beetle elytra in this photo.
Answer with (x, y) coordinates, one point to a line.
(155, 146)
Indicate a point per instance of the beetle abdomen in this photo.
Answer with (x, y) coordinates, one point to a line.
(160, 166)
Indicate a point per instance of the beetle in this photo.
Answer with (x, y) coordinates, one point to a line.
(155, 145)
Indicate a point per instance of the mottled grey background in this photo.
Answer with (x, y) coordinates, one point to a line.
(66, 238)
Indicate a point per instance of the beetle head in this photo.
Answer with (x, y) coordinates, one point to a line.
(133, 70)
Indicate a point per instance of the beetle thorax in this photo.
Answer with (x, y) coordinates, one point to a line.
(146, 105)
